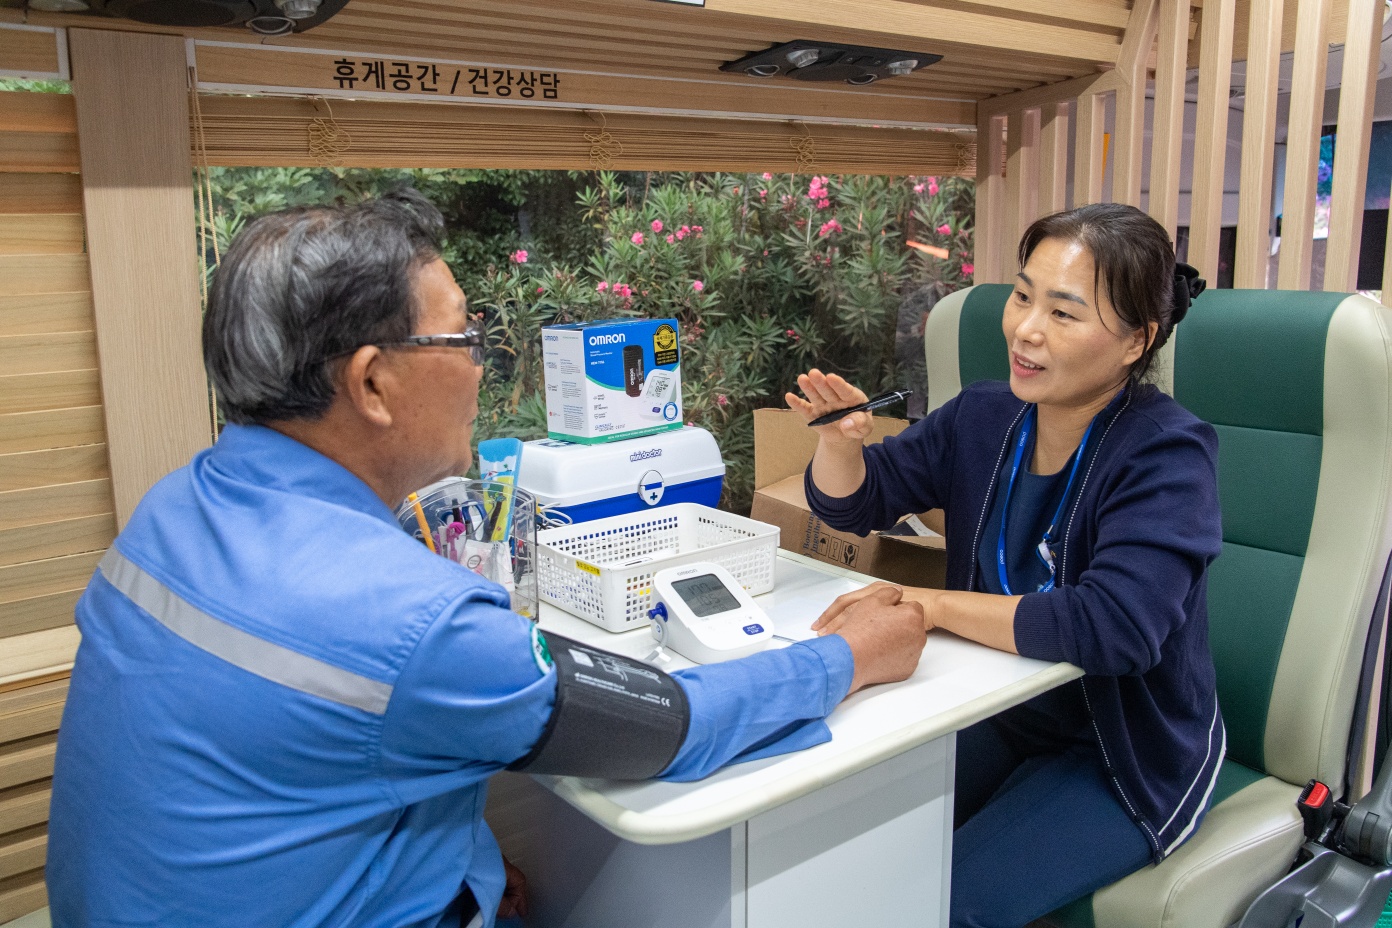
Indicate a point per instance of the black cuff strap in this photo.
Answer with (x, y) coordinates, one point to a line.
(614, 717)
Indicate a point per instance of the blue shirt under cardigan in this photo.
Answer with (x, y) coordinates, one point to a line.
(1131, 605)
(285, 710)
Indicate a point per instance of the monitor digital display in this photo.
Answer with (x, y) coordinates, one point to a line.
(705, 595)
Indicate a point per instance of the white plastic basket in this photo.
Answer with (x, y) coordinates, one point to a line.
(602, 570)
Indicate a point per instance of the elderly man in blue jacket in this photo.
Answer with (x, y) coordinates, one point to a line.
(284, 710)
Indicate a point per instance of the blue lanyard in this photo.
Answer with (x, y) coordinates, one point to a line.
(1044, 549)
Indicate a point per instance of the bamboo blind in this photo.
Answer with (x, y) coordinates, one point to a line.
(56, 512)
(277, 132)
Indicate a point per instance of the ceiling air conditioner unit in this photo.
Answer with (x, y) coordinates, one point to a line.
(266, 17)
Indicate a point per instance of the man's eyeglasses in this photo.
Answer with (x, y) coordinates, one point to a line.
(472, 338)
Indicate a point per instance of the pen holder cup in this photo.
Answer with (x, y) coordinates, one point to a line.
(486, 526)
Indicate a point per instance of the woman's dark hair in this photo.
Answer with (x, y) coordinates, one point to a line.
(1135, 267)
(301, 286)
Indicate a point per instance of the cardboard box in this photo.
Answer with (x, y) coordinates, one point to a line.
(611, 380)
(783, 446)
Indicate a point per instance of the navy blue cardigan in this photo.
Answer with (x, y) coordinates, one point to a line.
(1131, 605)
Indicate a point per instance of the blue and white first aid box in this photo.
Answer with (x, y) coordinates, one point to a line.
(585, 482)
(610, 380)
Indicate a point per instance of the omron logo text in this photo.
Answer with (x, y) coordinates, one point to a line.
(644, 455)
(550, 338)
(606, 339)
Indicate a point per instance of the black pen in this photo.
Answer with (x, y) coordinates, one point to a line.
(884, 399)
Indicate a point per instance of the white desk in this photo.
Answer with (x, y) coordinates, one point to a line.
(857, 831)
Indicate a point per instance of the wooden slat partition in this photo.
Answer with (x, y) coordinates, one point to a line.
(1357, 89)
(1211, 136)
(1053, 158)
(990, 200)
(1167, 133)
(141, 235)
(1088, 165)
(56, 506)
(1258, 145)
(1302, 143)
(1021, 178)
(1128, 139)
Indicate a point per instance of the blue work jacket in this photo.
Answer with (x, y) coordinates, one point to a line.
(284, 710)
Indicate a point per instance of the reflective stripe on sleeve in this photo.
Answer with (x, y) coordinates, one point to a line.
(242, 649)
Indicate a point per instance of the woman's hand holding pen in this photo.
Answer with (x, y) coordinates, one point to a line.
(827, 393)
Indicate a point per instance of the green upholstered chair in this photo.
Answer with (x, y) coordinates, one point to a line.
(1299, 388)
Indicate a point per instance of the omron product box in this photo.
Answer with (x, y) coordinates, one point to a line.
(596, 481)
(609, 380)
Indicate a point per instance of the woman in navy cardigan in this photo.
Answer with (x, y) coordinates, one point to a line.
(1082, 513)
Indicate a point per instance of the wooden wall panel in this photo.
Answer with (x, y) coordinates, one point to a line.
(28, 469)
(56, 390)
(56, 510)
(1258, 145)
(23, 851)
(138, 198)
(61, 428)
(23, 275)
(45, 313)
(53, 233)
(22, 894)
(1211, 136)
(40, 193)
(55, 503)
(1302, 144)
(29, 51)
(53, 351)
(26, 761)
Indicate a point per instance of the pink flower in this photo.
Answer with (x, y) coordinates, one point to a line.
(969, 269)
(683, 232)
(765, 252)
(721, 399)
(918, 188)
(932, 186)
(637, 238)
(737, 190)
(823, 203)
(944, 229)
(518, 257)
(762, 194)
(768, 176)
(541, 289)
(602, 286)
(698, 229)
(657, 225)
(828, 227)
(671, 239)
(698, 286)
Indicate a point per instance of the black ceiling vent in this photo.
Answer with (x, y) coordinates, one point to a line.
(266, 17)
(805, 60)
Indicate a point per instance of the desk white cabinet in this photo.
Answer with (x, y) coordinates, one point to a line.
(857, 831)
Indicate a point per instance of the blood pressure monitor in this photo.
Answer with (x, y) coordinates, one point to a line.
(703, 614)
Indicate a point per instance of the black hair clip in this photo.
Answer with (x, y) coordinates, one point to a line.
(1187, 286)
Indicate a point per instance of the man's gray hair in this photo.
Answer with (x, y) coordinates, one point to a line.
(303, 286)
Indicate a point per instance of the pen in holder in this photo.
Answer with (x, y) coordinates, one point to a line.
(461, 520)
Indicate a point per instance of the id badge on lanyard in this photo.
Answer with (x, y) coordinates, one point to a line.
(1044, 549)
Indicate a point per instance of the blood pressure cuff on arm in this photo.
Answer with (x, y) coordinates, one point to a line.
(614, 716)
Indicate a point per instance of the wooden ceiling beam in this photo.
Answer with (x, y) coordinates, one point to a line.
(257, 69)
(914, 23)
